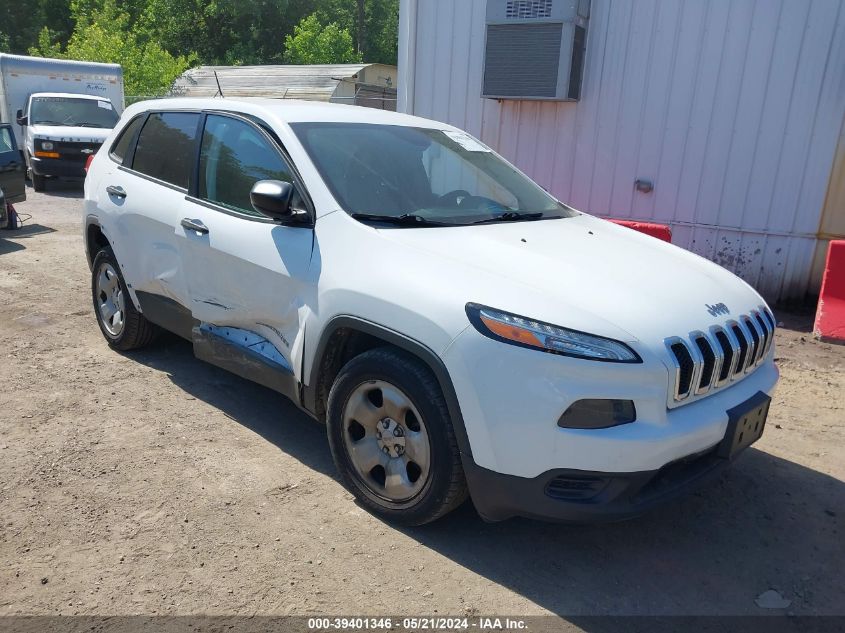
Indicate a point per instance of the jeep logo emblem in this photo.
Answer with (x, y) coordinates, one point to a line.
(716, 310)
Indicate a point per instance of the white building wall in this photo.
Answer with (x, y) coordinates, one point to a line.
(731, 107)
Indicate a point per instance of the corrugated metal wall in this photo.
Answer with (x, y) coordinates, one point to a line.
(731, 107)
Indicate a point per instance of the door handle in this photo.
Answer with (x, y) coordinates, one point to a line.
(195, 225)
(117, 192)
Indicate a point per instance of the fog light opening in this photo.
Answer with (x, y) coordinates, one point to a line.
(597, 414)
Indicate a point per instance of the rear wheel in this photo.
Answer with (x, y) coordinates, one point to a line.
(392, 438)
(123, 326)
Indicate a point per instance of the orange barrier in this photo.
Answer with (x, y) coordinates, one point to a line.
(660, 231)
(830, 314)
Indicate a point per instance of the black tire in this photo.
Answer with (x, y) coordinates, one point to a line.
(137, 331)
(39, 183)
(445, 486)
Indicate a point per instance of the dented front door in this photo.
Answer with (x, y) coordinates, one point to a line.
(247, 275)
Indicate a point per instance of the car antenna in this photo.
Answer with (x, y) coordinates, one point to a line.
(219, 89)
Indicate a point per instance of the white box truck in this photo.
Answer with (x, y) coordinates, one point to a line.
(63, 110)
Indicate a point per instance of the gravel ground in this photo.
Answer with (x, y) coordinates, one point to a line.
(151, 483)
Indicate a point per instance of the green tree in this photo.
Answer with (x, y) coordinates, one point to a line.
(88, 9)
(373, 24)
(313, 43)
(21, 21)
(104, 34)
(382, 35)
(232, 32)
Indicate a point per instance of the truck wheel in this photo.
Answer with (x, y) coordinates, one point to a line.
(392, 439)
(123, 326)
(39, 183)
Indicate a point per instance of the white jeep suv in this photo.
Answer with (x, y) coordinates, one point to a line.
(459, 331)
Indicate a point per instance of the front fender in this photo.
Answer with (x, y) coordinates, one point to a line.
(424, 353)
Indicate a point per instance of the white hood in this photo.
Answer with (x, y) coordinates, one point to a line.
(583, 266)
(70, 134)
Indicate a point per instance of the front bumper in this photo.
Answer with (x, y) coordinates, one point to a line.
(518, 462)
(577, 496)
(57, 167)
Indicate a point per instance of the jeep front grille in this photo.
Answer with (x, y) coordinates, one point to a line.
(686, 367)
(707, 361)
(740, 335)
(728, 355)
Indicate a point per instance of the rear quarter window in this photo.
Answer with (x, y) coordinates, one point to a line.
(166, 147)
(121, 146)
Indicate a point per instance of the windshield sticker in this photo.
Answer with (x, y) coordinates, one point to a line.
(466, 141)
(105, 105)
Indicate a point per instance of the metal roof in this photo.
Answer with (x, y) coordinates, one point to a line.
(312, 82)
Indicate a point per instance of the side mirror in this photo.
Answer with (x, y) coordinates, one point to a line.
(22, 120)
(272, 197)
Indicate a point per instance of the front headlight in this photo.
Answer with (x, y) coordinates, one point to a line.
(46, 145)
(524, 332)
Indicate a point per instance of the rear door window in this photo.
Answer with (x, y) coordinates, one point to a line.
(166, 147)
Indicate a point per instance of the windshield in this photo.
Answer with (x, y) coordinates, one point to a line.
(72, 112)
(398, 172)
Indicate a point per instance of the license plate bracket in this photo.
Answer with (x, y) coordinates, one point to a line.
(746, 422)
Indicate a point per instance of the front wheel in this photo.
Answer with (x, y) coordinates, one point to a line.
(123, 326)
(392, 439)
(39, 183)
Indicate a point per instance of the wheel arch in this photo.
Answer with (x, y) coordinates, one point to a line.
(345, 337)
(95, 239)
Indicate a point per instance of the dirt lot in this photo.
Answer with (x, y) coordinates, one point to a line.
(151, 483)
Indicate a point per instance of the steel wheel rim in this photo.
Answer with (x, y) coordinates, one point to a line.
(387, 441)
(111, 304)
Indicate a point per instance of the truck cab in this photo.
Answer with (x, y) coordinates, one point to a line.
(61, 131)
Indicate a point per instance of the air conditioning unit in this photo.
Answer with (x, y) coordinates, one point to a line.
(535, 49)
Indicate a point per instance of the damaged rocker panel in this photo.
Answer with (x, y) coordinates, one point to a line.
(246, 354)
(255, 342)
(241, 352)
